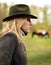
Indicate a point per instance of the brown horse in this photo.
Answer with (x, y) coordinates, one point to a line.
(40, 33)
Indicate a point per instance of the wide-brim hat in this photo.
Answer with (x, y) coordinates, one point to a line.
(19, 10)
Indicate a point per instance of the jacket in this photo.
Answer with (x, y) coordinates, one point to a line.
(11, 52)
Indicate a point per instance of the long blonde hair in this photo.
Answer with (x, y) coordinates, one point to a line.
(15, 27)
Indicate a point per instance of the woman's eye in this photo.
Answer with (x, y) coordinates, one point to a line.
(28, 19)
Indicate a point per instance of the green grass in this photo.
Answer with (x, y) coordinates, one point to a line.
(38, 50)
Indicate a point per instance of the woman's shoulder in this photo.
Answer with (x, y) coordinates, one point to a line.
(8, 39)
(9, 36)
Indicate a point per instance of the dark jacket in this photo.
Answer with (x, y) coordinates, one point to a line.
(11, 52)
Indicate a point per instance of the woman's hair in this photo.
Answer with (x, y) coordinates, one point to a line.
(15, 27)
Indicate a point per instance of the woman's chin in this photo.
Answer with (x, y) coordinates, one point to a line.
(28, 31)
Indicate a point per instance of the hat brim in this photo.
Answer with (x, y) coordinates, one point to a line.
(19, 15)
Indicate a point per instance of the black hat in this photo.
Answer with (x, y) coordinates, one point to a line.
(19, 10)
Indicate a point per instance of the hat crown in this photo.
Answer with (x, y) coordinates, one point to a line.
(19, 9)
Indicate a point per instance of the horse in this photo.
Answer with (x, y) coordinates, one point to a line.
(40, 33)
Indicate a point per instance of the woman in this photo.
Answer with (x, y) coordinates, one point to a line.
(18, 24)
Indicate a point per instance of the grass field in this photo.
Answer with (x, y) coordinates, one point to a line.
(38, 50)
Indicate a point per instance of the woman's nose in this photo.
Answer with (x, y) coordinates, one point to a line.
(29, 20)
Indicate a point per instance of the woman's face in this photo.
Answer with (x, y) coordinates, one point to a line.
(26, 25)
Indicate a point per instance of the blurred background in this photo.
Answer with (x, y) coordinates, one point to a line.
(38, 41)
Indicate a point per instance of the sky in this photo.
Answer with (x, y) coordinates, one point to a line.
(40, 3)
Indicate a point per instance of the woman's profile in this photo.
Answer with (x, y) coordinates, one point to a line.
(18, 24)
